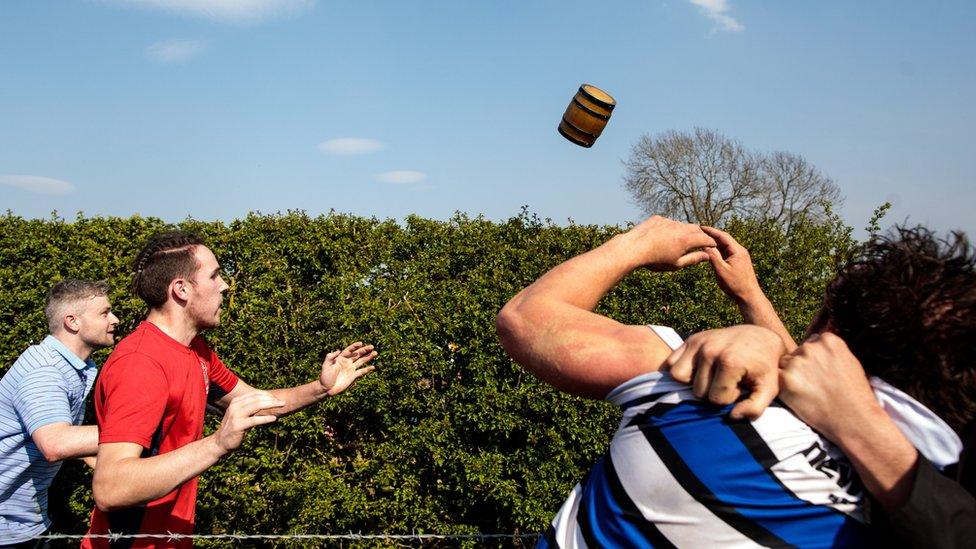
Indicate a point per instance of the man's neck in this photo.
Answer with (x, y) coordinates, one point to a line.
(74, 344)
(175, 326)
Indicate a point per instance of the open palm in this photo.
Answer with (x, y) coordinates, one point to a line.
(340, 369)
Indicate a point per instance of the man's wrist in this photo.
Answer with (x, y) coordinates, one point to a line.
(752, 300)
(214, 448)
(622, 248)
(322, 390)
(855, 429)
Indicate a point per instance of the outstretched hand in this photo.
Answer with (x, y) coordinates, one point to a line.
(341, 369)
(662, 244)
(732, 265)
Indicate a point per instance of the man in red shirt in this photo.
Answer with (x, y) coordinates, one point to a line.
(153, 391)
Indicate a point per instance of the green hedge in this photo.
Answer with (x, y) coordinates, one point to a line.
(448, 435)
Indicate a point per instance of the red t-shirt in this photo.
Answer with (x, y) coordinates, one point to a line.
(153, 391)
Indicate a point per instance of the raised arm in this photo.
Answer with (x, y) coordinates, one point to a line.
(735, 275)
(340, 370)
(550, 327)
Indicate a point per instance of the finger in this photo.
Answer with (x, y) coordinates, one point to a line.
(250, 397)
(692, 258)
(676, 355)
(254, 421)
(365, 350)
(724, 388)
(698, 239)
(716, 259)
(679, 365)
(365, 359)
(352, 348)
(757, 401)
(364, 371)
(250, 406)
(703, 375)
(724, 239)
(255, 407)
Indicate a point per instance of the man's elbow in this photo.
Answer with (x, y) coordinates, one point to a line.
(107, 498)
(52, 451)
(509, 324)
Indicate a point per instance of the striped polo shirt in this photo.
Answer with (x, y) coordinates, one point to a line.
(47, 384)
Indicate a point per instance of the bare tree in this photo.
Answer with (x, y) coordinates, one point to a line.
(793, 188)
(705, 177)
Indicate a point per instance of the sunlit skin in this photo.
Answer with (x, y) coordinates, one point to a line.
(124, 478)
(206, 290)
(94, 325)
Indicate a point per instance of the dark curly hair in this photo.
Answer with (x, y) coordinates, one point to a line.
(906, 307)
(166, 256)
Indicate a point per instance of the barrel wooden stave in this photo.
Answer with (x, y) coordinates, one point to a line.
(586, 116)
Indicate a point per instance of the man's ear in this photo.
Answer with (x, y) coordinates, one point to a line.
(179, 289)
(71, 323)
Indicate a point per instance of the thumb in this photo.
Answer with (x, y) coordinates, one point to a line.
(692, 258)
(715, 258)
(679, 364)
(755, 404)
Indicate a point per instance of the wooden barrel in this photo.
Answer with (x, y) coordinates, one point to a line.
(586, 115)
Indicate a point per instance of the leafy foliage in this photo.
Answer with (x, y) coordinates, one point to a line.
(448, 435)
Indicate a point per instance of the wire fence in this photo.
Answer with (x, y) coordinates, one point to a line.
(297, 537)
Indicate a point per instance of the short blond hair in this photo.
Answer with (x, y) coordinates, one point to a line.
(67, 294)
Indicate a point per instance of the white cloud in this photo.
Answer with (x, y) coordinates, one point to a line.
(401, 177)
(235, 12)
(174, 51)
(348, 146)
(716, 11)
(37, 184)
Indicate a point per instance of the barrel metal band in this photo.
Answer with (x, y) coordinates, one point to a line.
(608, 106)
(592, 112)
(574, 139)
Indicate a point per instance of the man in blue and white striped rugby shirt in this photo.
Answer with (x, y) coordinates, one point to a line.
(680, 471)
(42, 406)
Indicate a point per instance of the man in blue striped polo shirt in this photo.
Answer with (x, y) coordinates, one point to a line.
(42, 405)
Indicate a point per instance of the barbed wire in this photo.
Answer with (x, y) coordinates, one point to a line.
(172, 536)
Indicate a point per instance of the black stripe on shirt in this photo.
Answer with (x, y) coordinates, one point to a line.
(696, 489)
(631, 512)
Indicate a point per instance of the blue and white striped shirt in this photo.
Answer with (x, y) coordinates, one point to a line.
(47, 384)
(679, 473)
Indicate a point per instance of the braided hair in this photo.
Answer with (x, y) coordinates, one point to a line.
(906, 307)
(166, 256)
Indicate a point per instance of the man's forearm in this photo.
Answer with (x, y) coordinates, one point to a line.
(583, 280)
(921, 508)
(884, 459)
(60, 441)
(756, 309)
(134, 480)
(298, 397)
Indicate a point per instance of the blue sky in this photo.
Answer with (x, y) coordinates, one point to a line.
(214, 108)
